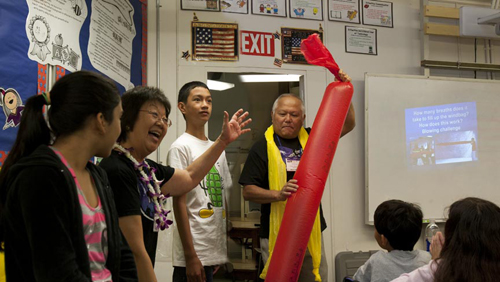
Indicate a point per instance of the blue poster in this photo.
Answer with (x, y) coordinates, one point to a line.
(21, 78)
(18, 74)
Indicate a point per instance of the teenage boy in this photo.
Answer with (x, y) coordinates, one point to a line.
(199, 241)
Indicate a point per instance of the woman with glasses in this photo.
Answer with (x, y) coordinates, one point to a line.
(140, 184)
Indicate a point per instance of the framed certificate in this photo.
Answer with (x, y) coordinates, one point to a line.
(344, 11)
(306, 9)
(273, 8)
(377, 13)
(361, 40)
(201, 5)
(235, 6)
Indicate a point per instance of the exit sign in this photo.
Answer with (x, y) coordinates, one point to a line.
(257, 43)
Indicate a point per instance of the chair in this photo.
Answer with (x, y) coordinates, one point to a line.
(346, 263)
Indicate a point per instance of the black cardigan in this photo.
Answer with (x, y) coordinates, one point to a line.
(43, 227)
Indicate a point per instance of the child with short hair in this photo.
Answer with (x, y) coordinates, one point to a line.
(200, 241)
(398, 226)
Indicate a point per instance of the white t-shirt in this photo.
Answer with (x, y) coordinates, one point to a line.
(206, 207)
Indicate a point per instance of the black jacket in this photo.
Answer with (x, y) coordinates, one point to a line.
(43, 227)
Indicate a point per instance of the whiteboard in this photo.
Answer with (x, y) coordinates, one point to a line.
(431, 141)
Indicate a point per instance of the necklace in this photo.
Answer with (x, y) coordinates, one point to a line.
(154, 190)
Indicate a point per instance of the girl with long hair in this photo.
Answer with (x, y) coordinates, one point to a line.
(58, 217)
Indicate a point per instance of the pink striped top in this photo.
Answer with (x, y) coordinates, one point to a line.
(95, 231)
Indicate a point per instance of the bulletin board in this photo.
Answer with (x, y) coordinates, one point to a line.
(22, 77)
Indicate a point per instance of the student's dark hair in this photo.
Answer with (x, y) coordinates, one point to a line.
(471, 250)
(186, 90)
(400, 222)
(132, 102)
(73, 98)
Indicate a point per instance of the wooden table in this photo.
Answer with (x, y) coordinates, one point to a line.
(246, 269)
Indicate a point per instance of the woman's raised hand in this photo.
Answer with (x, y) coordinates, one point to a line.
(232, 129)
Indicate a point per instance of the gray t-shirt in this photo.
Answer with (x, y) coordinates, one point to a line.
(386, 266)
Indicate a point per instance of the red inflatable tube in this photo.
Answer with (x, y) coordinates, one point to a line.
(311, 175)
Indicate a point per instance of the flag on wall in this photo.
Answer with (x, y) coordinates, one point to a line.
(290, 43)
(296, 46)
(278, 62)
(214, 41)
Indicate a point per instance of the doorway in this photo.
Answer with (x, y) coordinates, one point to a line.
(257, 98)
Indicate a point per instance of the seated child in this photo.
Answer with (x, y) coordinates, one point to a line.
(469, 250)
(398, 226)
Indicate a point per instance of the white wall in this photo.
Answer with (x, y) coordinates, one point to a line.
(399, 52)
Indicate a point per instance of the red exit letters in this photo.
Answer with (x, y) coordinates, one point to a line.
(257, 43)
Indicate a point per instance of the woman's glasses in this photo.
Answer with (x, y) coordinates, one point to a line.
(165, 120)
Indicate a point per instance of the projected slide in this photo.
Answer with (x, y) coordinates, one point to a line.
(441, 134)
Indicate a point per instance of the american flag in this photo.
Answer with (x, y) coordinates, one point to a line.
(296, 46)
(278, 62)
(214, 43)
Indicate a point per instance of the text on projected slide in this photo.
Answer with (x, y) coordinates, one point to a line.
(441, 134)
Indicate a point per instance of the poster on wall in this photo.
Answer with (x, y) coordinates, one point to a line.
(361, 40)
(201, 5)
(214, 41)
(53, 30)
(112, 30)
(377, 13)
(19, 74)
(344, 11)
(291, 41)
(23, 77)
(235, 6)
(306, 9)
(275, 8)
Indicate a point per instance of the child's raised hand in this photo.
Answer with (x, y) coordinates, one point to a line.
(436, 245)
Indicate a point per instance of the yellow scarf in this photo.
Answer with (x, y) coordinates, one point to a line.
(277, 179)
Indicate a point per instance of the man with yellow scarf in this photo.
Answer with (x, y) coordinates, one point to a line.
(267, 180)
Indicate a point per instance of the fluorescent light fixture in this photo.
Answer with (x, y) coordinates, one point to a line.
(219, 85)
(269, 77)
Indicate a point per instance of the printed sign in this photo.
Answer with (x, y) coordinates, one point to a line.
(111, 33)
(361, 40)
(53, 29)
(344, 11)
(378, 13)
(257, 43)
